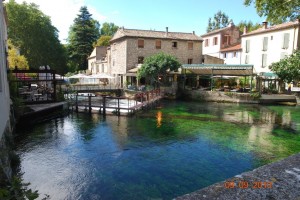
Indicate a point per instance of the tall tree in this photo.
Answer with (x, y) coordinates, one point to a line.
(220, 20)
(83, 33)
(250, 26)
(288, 68)
(276, 11)
(108, 29)
(32, 31)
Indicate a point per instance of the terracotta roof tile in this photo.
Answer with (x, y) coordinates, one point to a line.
(154, 34)
(273, 28)
(232, 48)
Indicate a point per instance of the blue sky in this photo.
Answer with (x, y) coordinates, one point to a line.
(178, 15)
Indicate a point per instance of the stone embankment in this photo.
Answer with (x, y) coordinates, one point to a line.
(276, 181)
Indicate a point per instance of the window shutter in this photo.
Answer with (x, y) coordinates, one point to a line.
(247, 59)
(141, 43)
(286, 40)
(264, 60)
(265, 44)
(247, 46)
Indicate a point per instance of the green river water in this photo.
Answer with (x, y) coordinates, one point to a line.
(174, 149)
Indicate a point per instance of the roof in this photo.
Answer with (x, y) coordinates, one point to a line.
(273, 28)
(122, 32)
(220, 69)
(218, 30)
(232, 48)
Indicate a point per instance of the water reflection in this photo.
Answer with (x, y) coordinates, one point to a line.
(159, 118)
(162, 153)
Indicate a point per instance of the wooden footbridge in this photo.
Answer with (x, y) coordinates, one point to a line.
(85, 100)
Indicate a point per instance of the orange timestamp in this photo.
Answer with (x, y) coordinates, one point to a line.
(246, 184)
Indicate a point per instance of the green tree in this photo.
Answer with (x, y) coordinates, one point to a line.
(32, 31)
(288, 68)
(15, 59)
(276, 11)
(103, 41)
(250, 26)
(157, 65)
(108, 29)
(220, 20)
(83, 33)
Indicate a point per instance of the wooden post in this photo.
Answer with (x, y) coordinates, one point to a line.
(118, 107)
(90, 103)
(104, 105)
(100, 107)
(76, 103)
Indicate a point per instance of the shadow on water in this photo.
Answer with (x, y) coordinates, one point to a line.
(162, 153)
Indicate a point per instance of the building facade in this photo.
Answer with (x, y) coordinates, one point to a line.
(269, 44)
(97, 61)
(216, 41)
(4, 87)
(130, 47)
(232, 55)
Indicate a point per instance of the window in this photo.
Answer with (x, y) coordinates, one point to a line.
(247, 59)
(190, 45)
(190, 61)
(234, 55)
(158, 44)
(140, 43)
(140, 60)
(113, 62)
(226, 39)
(215, 40)
(206, 42)
(247, 46)
(285, 40)
(265, 44)
(114, 47)
(102, 68)
(174, 45)
(225, 55)
(264, 60)
(271, 37)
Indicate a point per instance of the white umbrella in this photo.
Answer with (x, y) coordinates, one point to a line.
(79, 76)
(102, 76)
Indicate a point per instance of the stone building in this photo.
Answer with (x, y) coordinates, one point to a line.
(222, 42)
(129, 48)
(97, 61)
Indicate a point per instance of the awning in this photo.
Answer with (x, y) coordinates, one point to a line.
(219, 69)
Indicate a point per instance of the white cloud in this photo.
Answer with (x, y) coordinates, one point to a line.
(63, 12)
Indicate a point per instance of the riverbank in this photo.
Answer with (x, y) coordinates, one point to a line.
(279, 180)
(235, 97)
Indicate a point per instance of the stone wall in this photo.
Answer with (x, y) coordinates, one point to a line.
(212, 60)
(5, 156)
(216, 96)
(181, 52)
(118, 57)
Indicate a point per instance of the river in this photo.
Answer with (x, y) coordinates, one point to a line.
(174, 149)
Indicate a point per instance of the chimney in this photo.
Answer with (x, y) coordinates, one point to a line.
(167, 30)
(245, 30)
(193, 32)
(265, 25)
